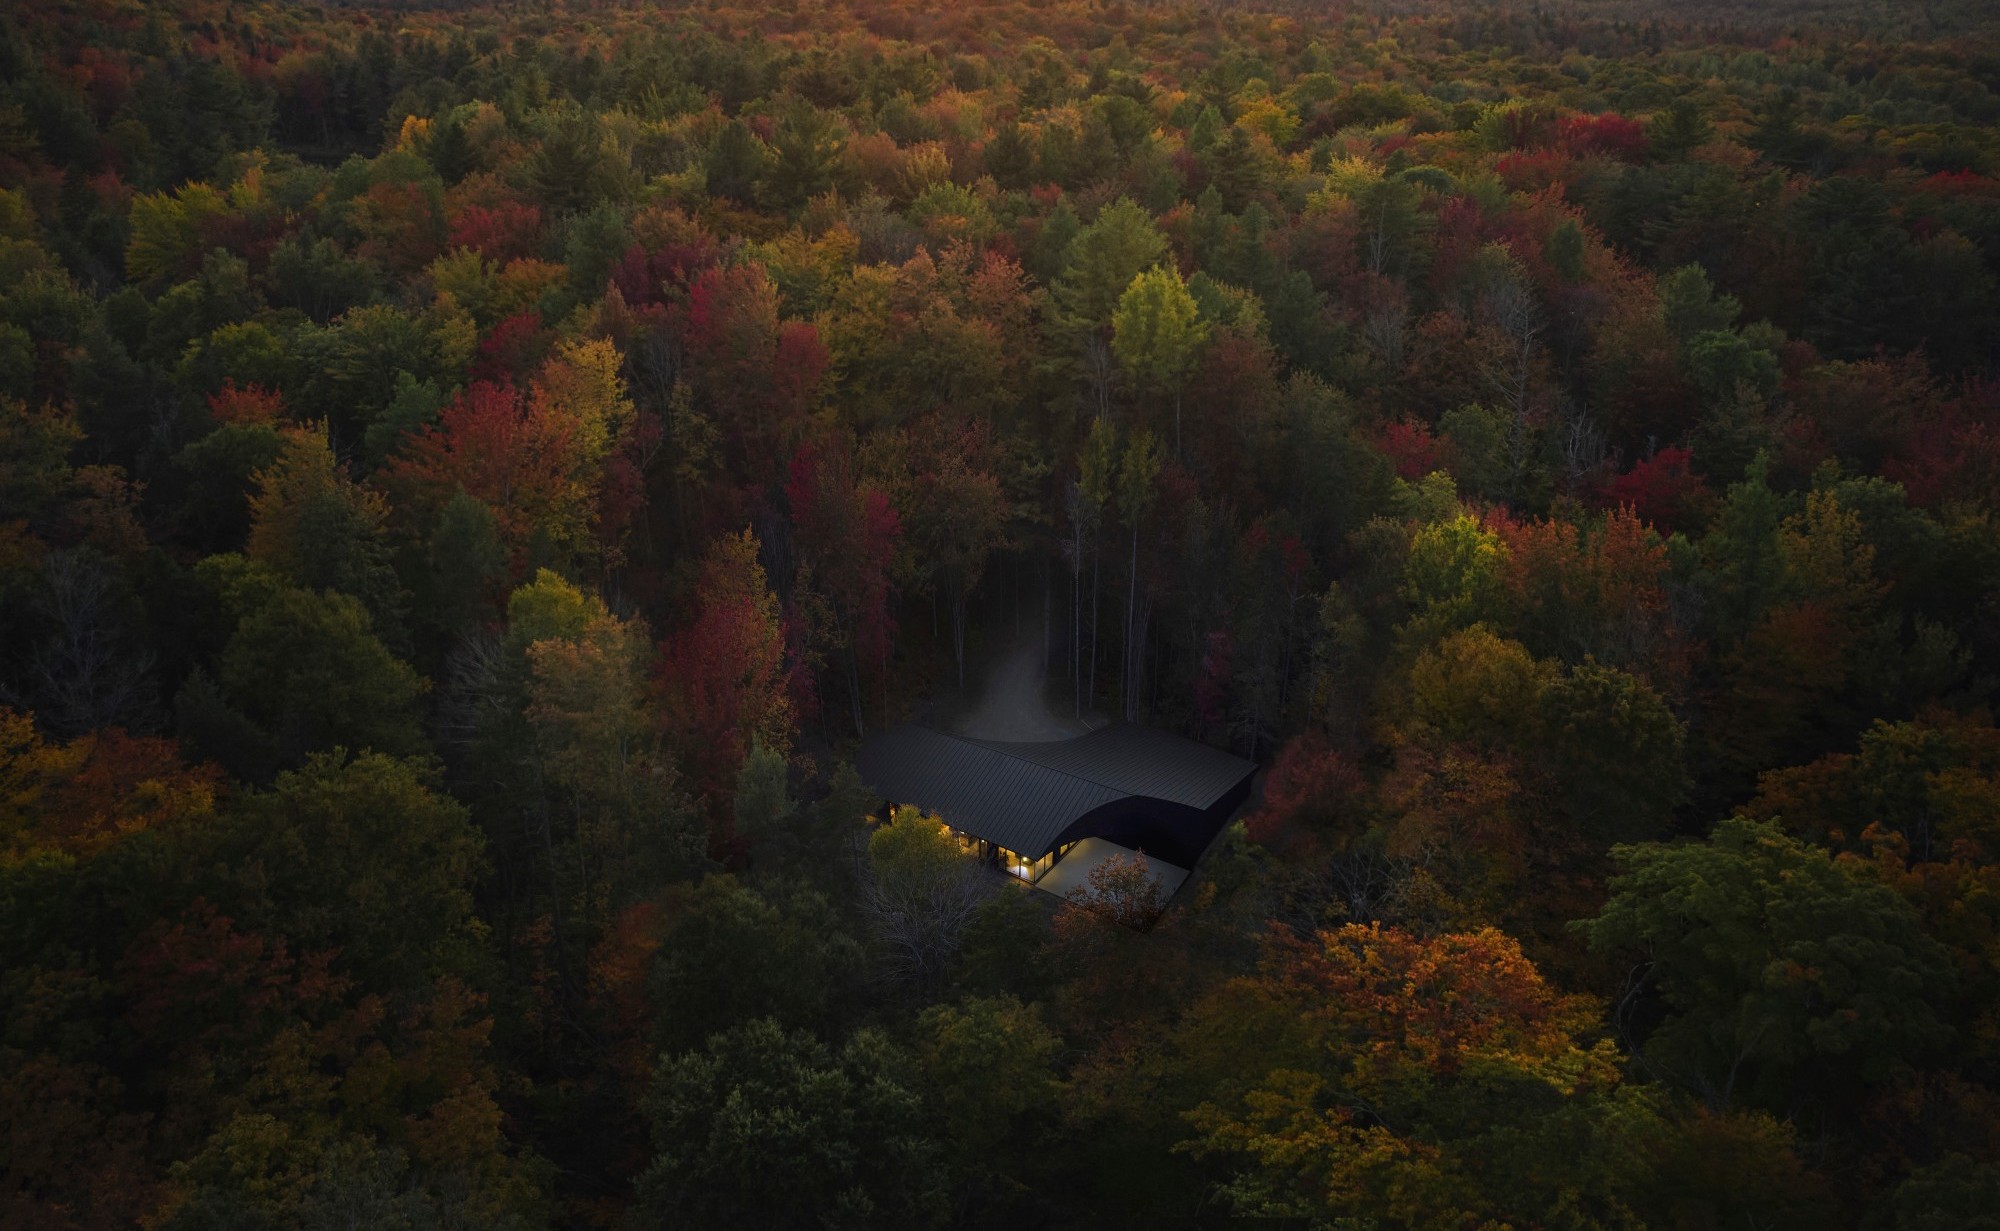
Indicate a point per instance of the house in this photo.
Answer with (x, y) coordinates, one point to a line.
(1025, 807)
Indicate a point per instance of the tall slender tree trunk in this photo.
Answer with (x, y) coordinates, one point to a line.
(1177, 424)
(1136, 687)
(1131, 609)
(1014, 567)
(958, 633)
(1096, 568)
(1098, 350)
(1162, 655)
(854, 688)
(1076, 625)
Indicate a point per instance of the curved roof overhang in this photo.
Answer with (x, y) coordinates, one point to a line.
(1129, 783)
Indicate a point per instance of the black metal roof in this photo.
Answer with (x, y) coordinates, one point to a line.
(1023, 796)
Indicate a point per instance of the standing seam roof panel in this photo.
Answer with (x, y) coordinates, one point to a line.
(1137, 760)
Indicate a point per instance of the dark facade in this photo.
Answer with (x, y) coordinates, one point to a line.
(1132, 785)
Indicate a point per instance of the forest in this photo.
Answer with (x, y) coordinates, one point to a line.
(473, 473)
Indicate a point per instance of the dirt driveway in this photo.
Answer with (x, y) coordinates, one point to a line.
(1015, 704)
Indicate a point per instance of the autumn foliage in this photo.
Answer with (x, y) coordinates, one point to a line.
(473, 478)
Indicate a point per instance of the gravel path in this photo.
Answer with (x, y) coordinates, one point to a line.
(1015, 706)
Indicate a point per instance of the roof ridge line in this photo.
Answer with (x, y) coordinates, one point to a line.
(1005, 748)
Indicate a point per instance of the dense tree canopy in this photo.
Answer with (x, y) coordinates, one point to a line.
(471, 473)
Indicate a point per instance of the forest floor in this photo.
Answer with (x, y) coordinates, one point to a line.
(1015, 704)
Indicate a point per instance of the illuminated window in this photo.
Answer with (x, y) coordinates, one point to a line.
(1027, 869)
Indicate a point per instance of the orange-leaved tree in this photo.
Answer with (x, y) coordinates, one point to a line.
(1422, 1081)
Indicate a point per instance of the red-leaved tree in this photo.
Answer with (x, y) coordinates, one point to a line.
(847, 535)
(722, 679)
(757, 375)
(507, 451)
